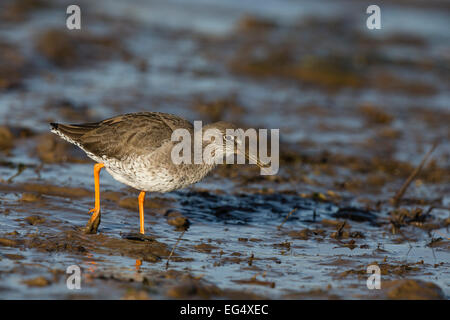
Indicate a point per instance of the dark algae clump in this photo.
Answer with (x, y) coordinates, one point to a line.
(364, 151)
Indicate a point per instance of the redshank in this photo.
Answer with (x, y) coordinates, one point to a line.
(136, 150)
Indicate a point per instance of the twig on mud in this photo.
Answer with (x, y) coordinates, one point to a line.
(173, 249)
(398, 196)
(287, 217)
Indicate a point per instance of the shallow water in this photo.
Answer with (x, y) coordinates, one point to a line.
(191, 61)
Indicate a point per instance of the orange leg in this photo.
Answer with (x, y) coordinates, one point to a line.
(141, 211)
(94, 221)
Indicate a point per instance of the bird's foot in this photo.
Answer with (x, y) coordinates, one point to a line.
(94, 222)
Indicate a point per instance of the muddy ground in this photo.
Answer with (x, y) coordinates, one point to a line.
(357, 111)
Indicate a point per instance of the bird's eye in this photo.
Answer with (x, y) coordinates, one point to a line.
(228, 137)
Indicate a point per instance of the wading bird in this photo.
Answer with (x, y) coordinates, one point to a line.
(136, 150)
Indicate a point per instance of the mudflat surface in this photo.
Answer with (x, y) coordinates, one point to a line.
(357, 110)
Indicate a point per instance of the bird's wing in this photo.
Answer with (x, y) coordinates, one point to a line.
(117, 137)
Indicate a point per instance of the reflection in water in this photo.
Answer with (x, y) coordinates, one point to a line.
(138, 264)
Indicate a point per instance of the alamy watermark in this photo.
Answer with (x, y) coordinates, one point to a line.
(73, 22)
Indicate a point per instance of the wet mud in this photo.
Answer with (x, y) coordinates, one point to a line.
(356, 113)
